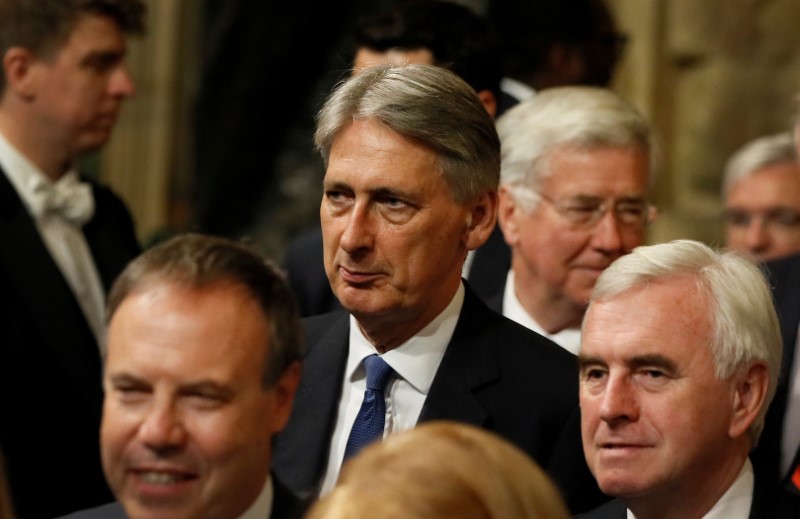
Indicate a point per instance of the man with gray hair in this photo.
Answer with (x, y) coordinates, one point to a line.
(761, 193)
(673, 396)
(412, 163)
(778, 454)
(65, 238)
(577, 166)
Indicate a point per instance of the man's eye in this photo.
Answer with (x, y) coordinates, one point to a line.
(393, 202)
(786, 218)
(632, 210)
(131, 393)
(593, 373)
(581, 209)
(653, 378)
(206, 400)
(335, 196)
(102, 63)
(737, 218)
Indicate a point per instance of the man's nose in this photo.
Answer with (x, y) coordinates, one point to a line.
(162, 428)
(619, 403)
(358, 232)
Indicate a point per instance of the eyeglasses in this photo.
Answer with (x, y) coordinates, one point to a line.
(777, 217)
(585, 212)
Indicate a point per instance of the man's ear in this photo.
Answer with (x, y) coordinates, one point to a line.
(19, 70)
(481, 220)
(749, 397)
(508, 216)
(285, 389)
(489, 101)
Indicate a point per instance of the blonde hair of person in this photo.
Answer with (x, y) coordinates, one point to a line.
(442, 470)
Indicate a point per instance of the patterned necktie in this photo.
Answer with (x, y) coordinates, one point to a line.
(794, 480)
(368, 426)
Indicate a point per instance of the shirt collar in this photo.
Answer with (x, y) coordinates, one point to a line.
(262, 506)
(516, 89)
(417, 359)
(22, 173)
(736, 502)
(568, 338)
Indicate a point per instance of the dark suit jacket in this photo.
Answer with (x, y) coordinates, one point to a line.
(769, 502)
(505, 103)
(305, 270)
(495, 374)
(784, 276)
(50, 371)
(285, 505)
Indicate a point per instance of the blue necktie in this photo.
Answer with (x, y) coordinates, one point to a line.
(368, 426)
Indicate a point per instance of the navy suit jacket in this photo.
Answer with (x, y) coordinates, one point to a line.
(285, 505)
(495, 374)
(784, 277)
(305, 269)
(769, 502)
(50, 370)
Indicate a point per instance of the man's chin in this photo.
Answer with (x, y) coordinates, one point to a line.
(94, 141)
(362, 302)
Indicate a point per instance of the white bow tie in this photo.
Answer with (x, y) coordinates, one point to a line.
(69, 198)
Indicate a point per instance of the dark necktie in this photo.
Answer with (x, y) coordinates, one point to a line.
(368, 426)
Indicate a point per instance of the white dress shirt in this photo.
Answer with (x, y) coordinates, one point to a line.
(414, 362)
(569, 338)
(516, 89)
(790, 437)
(735, 503)
(262, 506)
(64, 240)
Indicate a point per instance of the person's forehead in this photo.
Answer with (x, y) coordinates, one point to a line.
(93, 29)
(369, 153)
(598, 167)
(669, 317)
(220, 315)
(778, 182)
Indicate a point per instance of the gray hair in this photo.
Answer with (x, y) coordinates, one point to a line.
(429, 105)
(582, 117)
(744, 320)
(757, 154)
(197, 261)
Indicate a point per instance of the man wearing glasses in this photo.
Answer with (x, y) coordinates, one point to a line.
(761, 189)
(577, 166)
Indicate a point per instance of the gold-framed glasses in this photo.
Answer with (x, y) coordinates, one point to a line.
(586, 211)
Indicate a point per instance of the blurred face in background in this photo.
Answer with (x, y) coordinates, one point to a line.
(762, 212)
(366, 57)
(78, 90)
(592, 208)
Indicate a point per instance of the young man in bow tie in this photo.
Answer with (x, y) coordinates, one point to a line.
(65, 239)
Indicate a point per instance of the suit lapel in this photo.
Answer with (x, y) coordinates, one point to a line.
(302, 447)
(467, 365)
(36, 278)
(110, 235)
